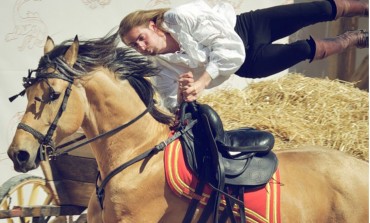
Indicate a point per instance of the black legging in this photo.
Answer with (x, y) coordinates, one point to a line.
(258, 29)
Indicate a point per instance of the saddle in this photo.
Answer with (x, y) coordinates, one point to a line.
(229, 161)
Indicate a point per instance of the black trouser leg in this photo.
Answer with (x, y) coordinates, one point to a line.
(272, 58)
(258, 29)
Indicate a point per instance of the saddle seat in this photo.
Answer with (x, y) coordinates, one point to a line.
(241, 149)
(237, 140)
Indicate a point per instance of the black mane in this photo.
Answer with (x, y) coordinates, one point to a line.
(125, 62)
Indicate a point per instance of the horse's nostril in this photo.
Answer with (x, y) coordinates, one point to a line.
(23, 156)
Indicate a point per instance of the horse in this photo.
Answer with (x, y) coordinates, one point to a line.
(106, 86)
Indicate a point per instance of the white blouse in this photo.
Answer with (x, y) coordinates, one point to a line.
(207, 41)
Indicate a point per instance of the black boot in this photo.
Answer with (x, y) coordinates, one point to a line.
(330, 46)
(349, 8)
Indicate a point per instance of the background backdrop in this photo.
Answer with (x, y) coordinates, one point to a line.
(25, 24)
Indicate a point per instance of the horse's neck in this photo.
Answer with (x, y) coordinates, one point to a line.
(111, 104)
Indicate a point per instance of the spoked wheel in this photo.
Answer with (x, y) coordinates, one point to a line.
(24, 190)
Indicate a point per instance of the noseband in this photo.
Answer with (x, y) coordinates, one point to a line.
(47, 146)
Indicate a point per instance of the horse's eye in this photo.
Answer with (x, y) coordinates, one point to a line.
(39, 99)
(54, 96)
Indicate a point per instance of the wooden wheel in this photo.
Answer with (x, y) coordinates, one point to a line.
(24, 190)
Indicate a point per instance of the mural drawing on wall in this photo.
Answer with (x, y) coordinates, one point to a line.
(29, 28)
(95, 3)
(156, 3)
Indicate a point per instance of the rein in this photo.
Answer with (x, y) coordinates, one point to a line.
(110, 132)
(161, 146)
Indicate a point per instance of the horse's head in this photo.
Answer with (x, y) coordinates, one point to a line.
(74, 81)
(54, 109)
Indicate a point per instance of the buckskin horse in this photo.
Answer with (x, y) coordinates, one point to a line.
(97, 87)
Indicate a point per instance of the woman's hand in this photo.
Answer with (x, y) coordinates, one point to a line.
(189, 90)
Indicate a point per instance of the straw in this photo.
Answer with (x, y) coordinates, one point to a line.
(299, 111)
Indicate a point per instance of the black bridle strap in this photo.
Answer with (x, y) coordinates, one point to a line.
(62, 108)
(110, 132)
(71, 142)
(161, 146)
(28, 81)
(31, 130)
(46, 139)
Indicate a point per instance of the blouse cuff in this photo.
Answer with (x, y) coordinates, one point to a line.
(212, 70)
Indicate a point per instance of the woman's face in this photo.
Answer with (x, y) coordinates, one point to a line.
(147, 40)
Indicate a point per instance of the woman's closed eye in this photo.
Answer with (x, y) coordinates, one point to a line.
(136, 44)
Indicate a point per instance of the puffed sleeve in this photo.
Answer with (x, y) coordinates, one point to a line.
(207, 33)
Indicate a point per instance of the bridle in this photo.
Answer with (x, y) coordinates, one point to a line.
(47, 146)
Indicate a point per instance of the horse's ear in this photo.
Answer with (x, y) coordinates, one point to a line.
(49, 45)
(72, 52)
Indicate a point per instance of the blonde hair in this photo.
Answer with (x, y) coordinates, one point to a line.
(140, 18)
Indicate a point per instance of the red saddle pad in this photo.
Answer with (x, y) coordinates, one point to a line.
(261, 205)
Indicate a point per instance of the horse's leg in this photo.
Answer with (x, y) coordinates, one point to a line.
(94, 213)
(177, 207)
(139, 194)
(323, 186)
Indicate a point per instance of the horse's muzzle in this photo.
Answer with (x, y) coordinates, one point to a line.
(22, 161)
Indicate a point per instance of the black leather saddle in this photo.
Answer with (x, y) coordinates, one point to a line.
(239, 159)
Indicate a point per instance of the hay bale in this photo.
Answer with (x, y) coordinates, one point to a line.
(299, 110)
